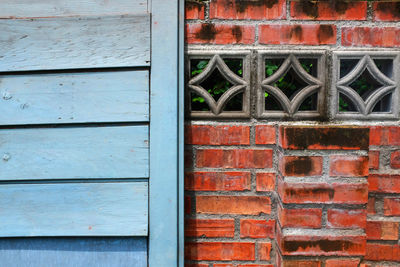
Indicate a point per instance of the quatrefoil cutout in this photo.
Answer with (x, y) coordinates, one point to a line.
(238, 84)
(380, 86)
(292, 103)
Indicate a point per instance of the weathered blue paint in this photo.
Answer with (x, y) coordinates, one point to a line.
(74, 209)
(74, 252)
(74, 153)
(74, 42)
(113, 96)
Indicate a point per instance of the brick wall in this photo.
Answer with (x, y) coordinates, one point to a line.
(269, 193)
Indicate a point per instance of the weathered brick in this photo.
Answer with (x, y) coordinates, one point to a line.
(346, 218)
(382, 230)
(348, 166)
(209, 33)
(230, 9)
(257, 228)
(264, 251)
(391, 206)
(301, 263)
(246, 205)
(371, 206)
(196, 265)
(344, 138)
(335, 10)
(217, 181)
(188, 158)
(342, 263)
(373, 158)
(384, 183)
(395, 158)
(210, 227)
(300, 218)
(371, 36)
(188, 205)
(265, 182)
(297, 34)
(194, 9)
(255, 265)
(265, 135)
(217, 135)
(382, 252)
(300, 166)
(386, 11)
(220, 251)
(385, 135)
(234, 158)
(222, 265)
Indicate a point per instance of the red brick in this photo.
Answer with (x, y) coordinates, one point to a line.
(265, 135)
(245, 205)
(255, 265)
(344, 138)
(328, 10)
(297, 34)
(379, 136)
(217, 181)
(257, 228)
(371, 206)
(395, 158)
(300, 166)
(217, 135)
(382, 252)
(265, 182)
(346, 218)
(208, 33)
(209, 228)
(300, 218)
(371, 36)
(342, 263)
(230, 9)
(382, 230)
(323, 245)
(188, 158)
(234, 158)
(194, 10)
(373, 157)
(196, 265)
(323, 193)
(188, 205)
(384, 183)
(391, 206)
(301, 263)
(355, 166)
(386, 11)
(220, 251)
(264, 251)
(222, 265)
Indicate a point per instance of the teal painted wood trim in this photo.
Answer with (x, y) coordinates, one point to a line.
(74, 252)
(164, 143)
(74, 42)
(74, 153)
(45, 8)
(74, 209)
(117, 96)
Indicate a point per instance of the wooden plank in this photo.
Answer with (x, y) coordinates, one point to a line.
(119, 96)
(56, 8)
(74, 153)
(74, 209)
(164, 235)
(74, 42)
(74, 252)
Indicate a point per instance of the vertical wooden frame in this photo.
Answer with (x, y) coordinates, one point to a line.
(166, 135)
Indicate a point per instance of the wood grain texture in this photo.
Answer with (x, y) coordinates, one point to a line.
(74, 209)
(74, 252)
(56, 8)
(74, 42)
(74, 153)
(121, 96)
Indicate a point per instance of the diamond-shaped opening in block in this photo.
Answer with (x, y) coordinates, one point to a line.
(345, 104)
(198, 103)
(385, 65)
(290, 83)
(310, 65)
(310, 104)
(347, 65)
(384, 105)
(271, 103)
(197, 66)
(235, 103)
(365, 84)
(272, 65)
(216, 84)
